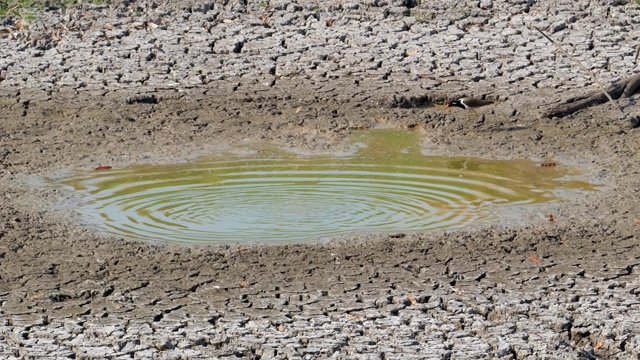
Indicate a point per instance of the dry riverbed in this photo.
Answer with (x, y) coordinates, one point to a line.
(143, 83)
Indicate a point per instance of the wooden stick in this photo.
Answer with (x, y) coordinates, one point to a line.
(593, 76)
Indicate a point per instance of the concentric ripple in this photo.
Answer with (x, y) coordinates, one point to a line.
(387, 186)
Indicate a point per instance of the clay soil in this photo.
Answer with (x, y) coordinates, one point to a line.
(536, 289)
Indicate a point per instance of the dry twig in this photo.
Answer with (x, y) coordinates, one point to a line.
(593, 76)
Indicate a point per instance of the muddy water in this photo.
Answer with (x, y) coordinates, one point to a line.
(267, 195)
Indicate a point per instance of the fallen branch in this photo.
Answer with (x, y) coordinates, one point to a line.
(626, 88)
(593, 76)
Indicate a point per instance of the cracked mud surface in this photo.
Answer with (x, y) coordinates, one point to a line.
(129, 93)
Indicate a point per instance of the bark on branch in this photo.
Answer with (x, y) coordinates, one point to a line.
(626, 88)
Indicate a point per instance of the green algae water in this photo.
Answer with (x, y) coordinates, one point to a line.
(387, 185)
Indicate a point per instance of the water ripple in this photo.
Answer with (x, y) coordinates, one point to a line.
(289, 198)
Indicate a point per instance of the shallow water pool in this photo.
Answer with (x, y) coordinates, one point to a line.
(267, 195)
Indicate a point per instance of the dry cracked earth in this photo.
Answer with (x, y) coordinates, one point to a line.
(155, 82)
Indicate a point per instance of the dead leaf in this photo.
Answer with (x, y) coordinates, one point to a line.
(108, 27)
(280, 327)
(636, 221)
(243, 284)
(534, 258)
(55, 36)
(551, 218)
(354, 317)
(20, 24)
(103, 168)
(242, 249)
(36, 296)
(151, 24)
(598, 346)
(227, 21)
(329, 22)
(412, 299)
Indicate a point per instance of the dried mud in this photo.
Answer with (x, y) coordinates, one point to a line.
(537, 289)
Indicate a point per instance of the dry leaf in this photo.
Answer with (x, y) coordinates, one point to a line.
(36, 296)
(20, 24)
(329, 22)
(354, 317)
(108, 27)
(534, 258)
(280, 327)
(55, 37)
(227, 21)
(152, 24)
(242, 249)
(598, 346)
(551, 218)
(243, 284)
(412, 299)
(636, 221)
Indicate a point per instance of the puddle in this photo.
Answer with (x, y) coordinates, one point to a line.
(268, 195)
